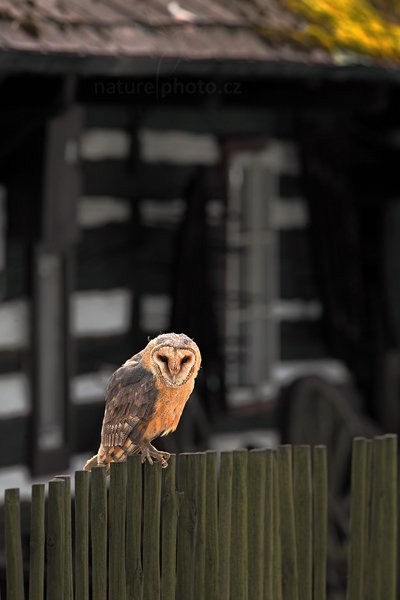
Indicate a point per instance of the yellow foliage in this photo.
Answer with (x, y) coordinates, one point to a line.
(348, 25)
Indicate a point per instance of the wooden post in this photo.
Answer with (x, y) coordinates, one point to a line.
(390, 512)
(98, 527)
(256, 522)
(134, 572)
(211, 579)
(375, 549)
(369, 483)
(320, 518)
(68, 575)
(359, 516)
(52, 281)
(12, 518)
(277, 546)
(239, 535)
(186, 526)
(37, 543)
(169, 518)
(151, 532)
(268, 526)
(200, 535)
(302, 489)
(287, 523)
(224, 524)
(381, 572)
(56, 540)
(116, 529)
(81, 535)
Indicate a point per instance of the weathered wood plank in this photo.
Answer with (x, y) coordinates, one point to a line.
(56, 540)
(277, 546)
(81, 535)
(68, 574)
(381, 573)
(239, 535)
(358, 543)
(375, 550)
(224, 524)
(212, 562)
(134, 571)
(268, 526)
(98, 528)
(169, 519)
(116, 528)
(390, 518)
(186, 526)
(320, 520)
(287, 523)
(201, 516)
(15, 575)
(256, 522)
(151, 532)
(37, 543)
(302, 490)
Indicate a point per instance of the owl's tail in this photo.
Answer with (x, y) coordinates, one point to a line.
(105, 456)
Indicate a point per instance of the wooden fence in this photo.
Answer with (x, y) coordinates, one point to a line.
(252, 527)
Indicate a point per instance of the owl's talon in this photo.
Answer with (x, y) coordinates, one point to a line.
(152, 455)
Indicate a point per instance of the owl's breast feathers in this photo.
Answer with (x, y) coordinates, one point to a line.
(139, 406)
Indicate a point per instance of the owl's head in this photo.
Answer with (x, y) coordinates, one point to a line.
(175, 358)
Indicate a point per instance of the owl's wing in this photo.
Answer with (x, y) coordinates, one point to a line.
(130, 402)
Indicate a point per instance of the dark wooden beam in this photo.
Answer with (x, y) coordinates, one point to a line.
(52, 264)
(65, 63)
(129, 179)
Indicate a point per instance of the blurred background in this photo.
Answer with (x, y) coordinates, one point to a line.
(227, 170)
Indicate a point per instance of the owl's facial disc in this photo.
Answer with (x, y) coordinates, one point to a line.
(175, 365)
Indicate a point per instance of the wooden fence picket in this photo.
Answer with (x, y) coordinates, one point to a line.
(320, 519)
(15, 577)
(151, 532)
(55, 549)
(116, 528)
(81, 535)
(169, 517)
(224, 524)
(98, 528)
(200, 532)
(186, 526)
(212, 546)
(134, 497)
(37, 543)
(269, 526)
(302, 494)
(359, 518)
(256, 513)
(239, 528)
(390, 518)
(248, 525)
(287, 523)
(68, 572)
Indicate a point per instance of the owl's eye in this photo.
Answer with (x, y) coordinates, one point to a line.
(163, 358)
(185, 359)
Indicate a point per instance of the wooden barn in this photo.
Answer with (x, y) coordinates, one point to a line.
(209, 167)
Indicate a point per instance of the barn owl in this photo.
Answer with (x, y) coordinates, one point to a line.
(145, 399)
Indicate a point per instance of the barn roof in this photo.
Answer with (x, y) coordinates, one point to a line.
(134, 36)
